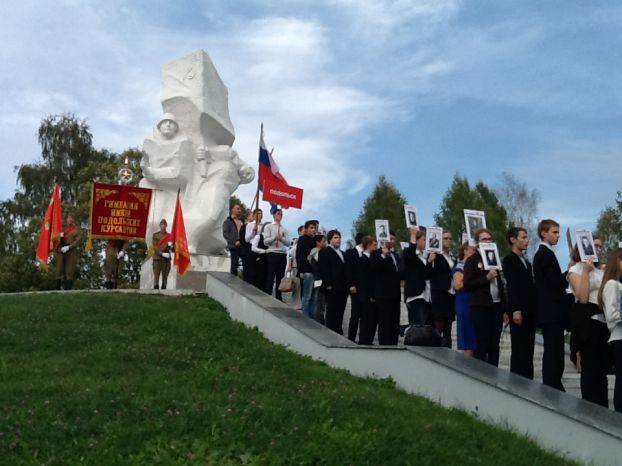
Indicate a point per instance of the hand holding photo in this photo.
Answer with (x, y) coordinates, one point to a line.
(490, 256)
(404, 245)
(585, 243)
(410, 212)
(433, 239)
(474, 220)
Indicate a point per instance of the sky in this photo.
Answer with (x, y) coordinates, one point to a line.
(347, 91)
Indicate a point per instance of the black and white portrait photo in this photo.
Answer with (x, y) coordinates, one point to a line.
(490, 256)
(585, 243)
(382, 231)
(433, 239)
(474, 220)
(410, 213)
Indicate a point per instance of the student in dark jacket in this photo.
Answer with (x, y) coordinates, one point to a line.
(334, 283)
(306, 243)
(551, 304)
(387, 291)
(365, 292)
(416, 268)
(352, 256)
(442, 293)
(487, 296)
(521, 302)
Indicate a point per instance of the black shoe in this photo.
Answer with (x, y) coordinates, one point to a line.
(156, 287)
(69, 284)
(58, 283)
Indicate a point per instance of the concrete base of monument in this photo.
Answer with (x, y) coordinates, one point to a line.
(195, 277)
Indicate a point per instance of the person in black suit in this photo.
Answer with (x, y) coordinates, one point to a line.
(365, 292)
(416, 268)
(443, 296)
(521, 302)
(487, 297)
(551, 304)
(334, 282)
(387, 291)
(352, 260)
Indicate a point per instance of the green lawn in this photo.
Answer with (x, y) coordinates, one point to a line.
(130, 379)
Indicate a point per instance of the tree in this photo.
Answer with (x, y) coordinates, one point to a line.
(461, 196)
(233, 200)
(67, 157)
(385, 202)
(609, 225)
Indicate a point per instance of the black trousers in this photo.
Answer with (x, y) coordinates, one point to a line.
(335, 305)
(488, 322)
(523, 342)
(235, 260)
(355, 316)
(388, 321)
(553, 357)
(248, 266)
(369, 322)
(276, 270)
(617, 391)
(595, 363)
(260, 270)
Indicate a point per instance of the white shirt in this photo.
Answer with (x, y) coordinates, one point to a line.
(359, 249)
(249, 233)
(612, 293)
(595, 279)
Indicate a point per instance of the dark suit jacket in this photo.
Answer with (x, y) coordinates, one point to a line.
(476, 283)
(551, 284)
(364, 279)
(332, 270)
(386, 276)
(352, 263)
(440, 274)
(414, 271)
(520, 288)
(303, 248)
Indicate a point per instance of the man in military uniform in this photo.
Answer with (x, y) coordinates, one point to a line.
(162, 247)
(116, 255)
(67, 255)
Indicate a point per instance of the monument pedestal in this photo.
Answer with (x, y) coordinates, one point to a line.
(195, 277)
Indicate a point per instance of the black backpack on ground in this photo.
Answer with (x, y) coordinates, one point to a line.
(422, 335)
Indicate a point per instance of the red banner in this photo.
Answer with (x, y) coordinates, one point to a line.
(282, 194)
(119, 212)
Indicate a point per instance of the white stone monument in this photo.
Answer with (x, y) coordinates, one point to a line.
(190, 151)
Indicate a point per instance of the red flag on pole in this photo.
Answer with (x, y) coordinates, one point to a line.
(178, 233)
(51, 229)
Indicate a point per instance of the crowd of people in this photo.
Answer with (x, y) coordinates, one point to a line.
(439, 288)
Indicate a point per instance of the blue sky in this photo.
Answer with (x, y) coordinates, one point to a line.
(347, 90)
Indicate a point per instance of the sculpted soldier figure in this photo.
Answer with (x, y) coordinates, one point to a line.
(162, 249)
(67, 255)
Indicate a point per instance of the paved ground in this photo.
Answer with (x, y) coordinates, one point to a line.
(571, 379)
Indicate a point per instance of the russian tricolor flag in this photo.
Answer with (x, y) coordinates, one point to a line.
(268, 169)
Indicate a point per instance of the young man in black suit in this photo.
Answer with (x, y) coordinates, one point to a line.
(334, 283)
(443, 296)
(352, 256)
(387, 291)
(551, 304)
(521, 302)
(365, 293)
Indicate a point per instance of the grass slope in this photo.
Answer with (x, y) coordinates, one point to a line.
(130, 379)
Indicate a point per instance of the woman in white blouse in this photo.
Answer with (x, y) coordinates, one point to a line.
(609, 299)
(589, 331)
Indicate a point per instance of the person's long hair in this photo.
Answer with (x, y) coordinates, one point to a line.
(612, 272)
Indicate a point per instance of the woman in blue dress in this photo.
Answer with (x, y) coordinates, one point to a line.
(466, 331)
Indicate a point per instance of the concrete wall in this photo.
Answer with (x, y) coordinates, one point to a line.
(558, 422)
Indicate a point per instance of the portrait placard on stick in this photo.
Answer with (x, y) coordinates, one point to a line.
(585, 243)
(490, 256)
(465, 238)
(412, 219)
(433, 236)
(474, 220)
(382, 231)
